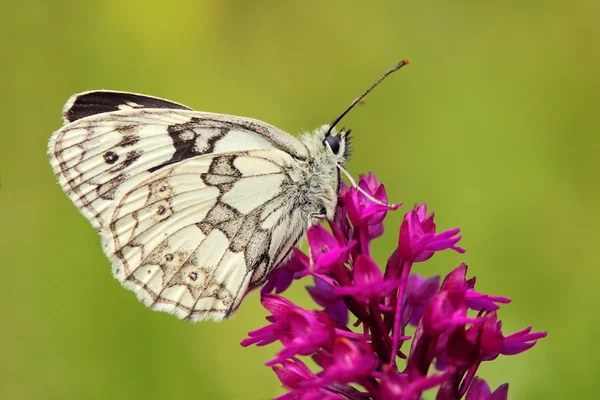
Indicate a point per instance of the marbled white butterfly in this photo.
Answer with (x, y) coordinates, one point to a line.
(195, 209)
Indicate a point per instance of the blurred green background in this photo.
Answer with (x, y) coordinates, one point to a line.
(494, 124)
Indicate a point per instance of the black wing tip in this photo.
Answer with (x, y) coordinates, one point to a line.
(95, 102)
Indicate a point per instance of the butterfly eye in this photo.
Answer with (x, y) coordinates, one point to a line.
(333, 142)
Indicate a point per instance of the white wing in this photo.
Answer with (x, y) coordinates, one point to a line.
(194, 209)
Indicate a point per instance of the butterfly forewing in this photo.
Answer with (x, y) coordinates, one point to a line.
(94, 156)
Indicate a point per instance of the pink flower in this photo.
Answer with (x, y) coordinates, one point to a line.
(349, 362)
(325, 250)
(368, 281)
(362, 211)
(302, 332)
(293, 372)
(418, 240)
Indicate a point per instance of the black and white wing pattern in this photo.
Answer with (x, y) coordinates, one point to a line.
(194, 209)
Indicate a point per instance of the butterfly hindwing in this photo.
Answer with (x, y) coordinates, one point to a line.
(195, 237)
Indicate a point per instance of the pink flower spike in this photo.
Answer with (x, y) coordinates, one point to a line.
(356, 333)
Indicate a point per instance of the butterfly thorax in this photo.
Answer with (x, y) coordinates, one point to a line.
(323, 174)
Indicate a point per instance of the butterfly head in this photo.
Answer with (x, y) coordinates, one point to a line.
(327, 146)
(336, 144)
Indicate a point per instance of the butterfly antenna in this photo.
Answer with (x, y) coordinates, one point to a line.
(362, 96)
(355, 185)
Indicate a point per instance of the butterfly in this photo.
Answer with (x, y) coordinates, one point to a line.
(194, 209)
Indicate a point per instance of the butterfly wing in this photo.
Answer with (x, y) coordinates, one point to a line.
(194, 208)
(97, 156)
